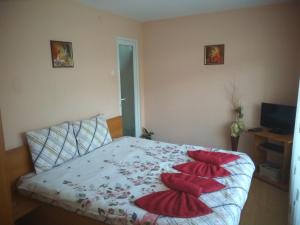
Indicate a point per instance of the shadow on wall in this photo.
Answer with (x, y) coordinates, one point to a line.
(247, 139)
(226, 131)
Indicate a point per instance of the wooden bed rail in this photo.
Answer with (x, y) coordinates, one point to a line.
(17, 162)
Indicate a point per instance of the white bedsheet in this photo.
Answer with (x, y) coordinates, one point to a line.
(104, 184)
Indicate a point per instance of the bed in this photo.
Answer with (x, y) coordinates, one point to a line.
(126, 169)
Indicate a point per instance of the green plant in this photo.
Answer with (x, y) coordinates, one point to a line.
(237, 127)
(147, 134)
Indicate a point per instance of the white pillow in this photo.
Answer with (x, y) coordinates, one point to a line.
(52, 146)
(91, 134)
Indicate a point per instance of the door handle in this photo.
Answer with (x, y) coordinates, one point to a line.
(123, 99)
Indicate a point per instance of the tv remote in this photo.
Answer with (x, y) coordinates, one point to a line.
(256, 129)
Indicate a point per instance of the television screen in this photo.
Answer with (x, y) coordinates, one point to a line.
(280, 118)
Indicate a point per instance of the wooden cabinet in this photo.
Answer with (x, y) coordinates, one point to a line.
(260, 153)
(6, 210)
(13, 206)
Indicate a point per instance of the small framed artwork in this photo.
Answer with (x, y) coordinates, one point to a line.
(62, 54)
(214, 54)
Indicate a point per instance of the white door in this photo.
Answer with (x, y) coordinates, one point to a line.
(129, 86)
(295, 171)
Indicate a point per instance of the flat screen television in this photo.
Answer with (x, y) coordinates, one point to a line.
(279, 118)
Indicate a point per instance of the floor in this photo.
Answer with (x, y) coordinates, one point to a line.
(266, 205)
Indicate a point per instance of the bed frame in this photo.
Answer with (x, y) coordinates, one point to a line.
(17, 162)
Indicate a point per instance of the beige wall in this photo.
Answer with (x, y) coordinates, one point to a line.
(187, 102)
(32, 93)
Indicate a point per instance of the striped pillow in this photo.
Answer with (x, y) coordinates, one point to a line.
(91, 134)
(52, 146)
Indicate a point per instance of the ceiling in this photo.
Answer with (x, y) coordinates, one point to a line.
(148, 10)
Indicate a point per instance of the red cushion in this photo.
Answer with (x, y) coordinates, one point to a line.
(218, 158)
(174, 204)
(189, 183)
(210, 185)
(202, 169)
(182, 182)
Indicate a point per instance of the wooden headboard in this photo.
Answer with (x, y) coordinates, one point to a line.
(17, 162)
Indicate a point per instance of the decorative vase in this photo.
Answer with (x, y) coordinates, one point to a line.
(234, 143)
(146, 137)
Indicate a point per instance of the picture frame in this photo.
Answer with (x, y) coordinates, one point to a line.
(214, 54)
(61, 54)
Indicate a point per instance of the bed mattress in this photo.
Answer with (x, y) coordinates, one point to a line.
(104, 184)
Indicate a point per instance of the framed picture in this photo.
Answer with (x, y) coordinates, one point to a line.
(62, 54)
(214, 54)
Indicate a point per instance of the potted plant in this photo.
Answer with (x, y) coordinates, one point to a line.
(147, 134)
(237, 127)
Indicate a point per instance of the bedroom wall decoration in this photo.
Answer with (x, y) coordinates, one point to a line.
(62, 54)
(214, 54)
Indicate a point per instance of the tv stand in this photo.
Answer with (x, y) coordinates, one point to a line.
(263, 144)
(279, 131)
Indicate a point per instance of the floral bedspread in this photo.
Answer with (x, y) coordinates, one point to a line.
(104, 184)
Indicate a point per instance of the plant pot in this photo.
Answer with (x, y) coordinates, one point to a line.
(234, 143)
(146, 137)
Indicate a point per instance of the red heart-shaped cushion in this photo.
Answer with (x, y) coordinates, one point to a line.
(190, 183)
(202, 169)
(218, 158)
(174, 204)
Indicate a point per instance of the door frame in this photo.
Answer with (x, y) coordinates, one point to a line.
(137, 103)
(294, 201)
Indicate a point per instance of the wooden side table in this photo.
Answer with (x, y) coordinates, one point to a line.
(259, 155)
